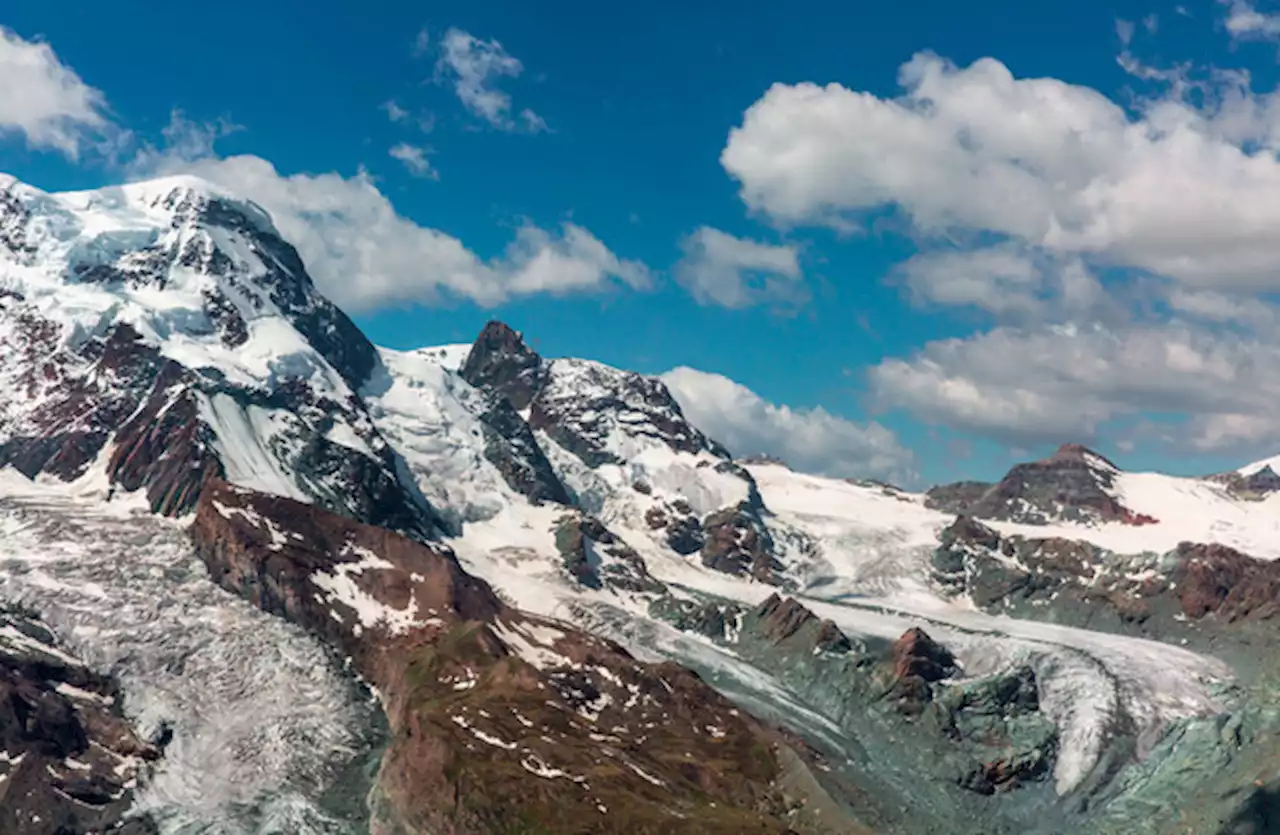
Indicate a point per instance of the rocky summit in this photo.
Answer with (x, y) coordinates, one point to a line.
(258, 575)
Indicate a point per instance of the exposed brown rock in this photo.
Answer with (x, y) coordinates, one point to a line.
(735, 543)
(501, 721)
(1073, 483)
(1222, 581)
(916, 655)
(782, 618)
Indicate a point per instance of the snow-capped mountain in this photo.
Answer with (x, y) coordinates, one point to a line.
(524, 557)
(167, 326)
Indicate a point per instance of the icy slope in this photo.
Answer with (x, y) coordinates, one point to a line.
(264, 723)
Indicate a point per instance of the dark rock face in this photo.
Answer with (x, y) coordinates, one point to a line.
(1073, 484)
(1262, 482)
(1252, 487)
(999, 713)
(1056, 577)
(583, 405)
(14, 218)
(736, 542)
(684, 533)
(973, 559)
(595, 557)
(119, 388)
(164, 448)
(501, 362)
(70, 760)
(500, 721)
(285, 281)
(716, 620)
(75, 412)
(511, 447)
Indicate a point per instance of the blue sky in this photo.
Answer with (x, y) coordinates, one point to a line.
(570, 168)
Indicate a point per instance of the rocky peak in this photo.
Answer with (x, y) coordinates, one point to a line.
(1250, 484)
(917, 655)
(1073, 484)
(1265, 480)
(502, 363)
(782, 618)
(1080, 455)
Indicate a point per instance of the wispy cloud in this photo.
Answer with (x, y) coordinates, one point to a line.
(415, 160)
(474, 67)
(1245, 21)
(46, 102)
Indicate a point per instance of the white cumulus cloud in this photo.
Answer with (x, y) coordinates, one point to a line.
(1044, 385)
(809, 440)
(46, 102)
(1182, 192)
(1128, 255)
(721, 269)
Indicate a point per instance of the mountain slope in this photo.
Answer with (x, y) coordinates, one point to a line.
(517, 552)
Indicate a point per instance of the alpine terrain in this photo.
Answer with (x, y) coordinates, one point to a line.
(258, 575)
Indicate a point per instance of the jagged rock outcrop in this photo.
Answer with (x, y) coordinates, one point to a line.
(597, 558)
(683, 529)
(501, 721)
(1074, 484)
(999, 713)
(511, 447)
(501, 362)
(737, 542)
(780, 619)
(1078, 581)
(69, 761)
(1255, 486)
(918, 662)
(599, 416)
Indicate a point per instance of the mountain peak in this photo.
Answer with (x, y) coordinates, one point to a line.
(1073, 453)
(501, 361)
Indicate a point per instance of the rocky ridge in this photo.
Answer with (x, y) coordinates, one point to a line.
(501, 721)
(1074, 484)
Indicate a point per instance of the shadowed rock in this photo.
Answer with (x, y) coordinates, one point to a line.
(501, 362)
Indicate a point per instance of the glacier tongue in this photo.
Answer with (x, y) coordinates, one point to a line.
(267, 730)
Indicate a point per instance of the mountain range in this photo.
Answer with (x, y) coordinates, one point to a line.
(259, 575)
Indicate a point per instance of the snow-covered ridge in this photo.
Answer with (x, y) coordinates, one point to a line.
(179, 260)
